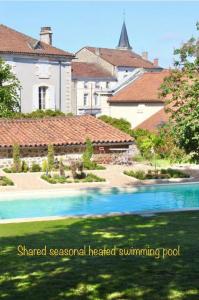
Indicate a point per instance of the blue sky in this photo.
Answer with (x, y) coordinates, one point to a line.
(157, 27)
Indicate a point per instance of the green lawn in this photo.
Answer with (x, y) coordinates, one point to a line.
(110, 278)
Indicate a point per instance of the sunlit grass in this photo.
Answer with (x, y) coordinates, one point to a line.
(103, 278)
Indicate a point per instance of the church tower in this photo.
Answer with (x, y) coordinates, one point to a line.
(124, 40)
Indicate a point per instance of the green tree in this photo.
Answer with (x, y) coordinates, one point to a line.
(16, 158)
(51, 158)
(181, 90)
(87, 155)
(121, 124)
(38, 114)
(9, 91)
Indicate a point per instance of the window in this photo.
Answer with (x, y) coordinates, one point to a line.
(85, 84)
(42, 97)
(96, 99)
(85, 99)
(107, 85)
(97, 85)
(140, 108)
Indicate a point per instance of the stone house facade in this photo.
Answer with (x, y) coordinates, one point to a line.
(44, 72)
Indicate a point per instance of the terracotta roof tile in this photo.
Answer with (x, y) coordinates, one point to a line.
(122, 58)
(143, 89)
(155, 121)
(12, 41)
(89, 70)
(59, 131)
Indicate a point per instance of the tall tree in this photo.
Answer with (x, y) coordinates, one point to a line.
(9, 91)
(181, 88)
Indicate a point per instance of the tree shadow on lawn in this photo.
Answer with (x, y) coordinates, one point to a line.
(109, 277)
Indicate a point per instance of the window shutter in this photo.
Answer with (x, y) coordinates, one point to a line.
(51, 97)
(35, 98)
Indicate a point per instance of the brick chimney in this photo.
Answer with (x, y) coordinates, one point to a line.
(46, 35)
(156, 62)
(145, 55)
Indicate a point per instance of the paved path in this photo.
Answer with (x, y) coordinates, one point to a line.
(113, 174)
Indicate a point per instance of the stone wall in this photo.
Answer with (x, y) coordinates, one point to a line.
(38, 154)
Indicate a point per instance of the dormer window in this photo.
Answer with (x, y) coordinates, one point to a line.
(38, 46)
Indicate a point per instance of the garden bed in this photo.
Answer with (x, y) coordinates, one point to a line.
(4, 181)
(156, 174)
(53, 179)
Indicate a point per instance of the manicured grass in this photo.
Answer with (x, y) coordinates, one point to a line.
(102, 277)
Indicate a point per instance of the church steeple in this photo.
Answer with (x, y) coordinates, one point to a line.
(124, 40)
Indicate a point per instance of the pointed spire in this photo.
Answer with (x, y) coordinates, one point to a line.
(124, 40)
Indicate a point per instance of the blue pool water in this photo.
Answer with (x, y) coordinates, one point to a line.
(153, 198)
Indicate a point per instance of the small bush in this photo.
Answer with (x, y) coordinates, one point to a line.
(55, 179)
(44, 165)
(93, 178)
(94, 166)
(4, 181)
(7, 170)
(156, 174)
(137, 174)
(35, 168)
(61, 179)
(24, 167)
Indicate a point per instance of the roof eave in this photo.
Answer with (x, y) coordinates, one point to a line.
(60, 56)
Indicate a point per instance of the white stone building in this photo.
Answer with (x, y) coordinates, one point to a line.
(89, 83)
(125, 67)
(44, 71)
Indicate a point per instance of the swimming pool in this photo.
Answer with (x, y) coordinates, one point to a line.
(93, 202)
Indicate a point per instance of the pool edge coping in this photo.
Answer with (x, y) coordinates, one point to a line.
(145, 213)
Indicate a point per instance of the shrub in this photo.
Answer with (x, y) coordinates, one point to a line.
(39, 114)
(16, 158)
(87, 155)
(5, 181)
(156, 174)
(7, 170)
(35, 168)
(137, 174)
(44, 166)
(54, 179)
(121, 124)
(93, 178)
(50, 157)
(24, 167)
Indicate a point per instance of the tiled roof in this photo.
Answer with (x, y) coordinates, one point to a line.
(89, 70)
(143, 89)
(12, 41)
(155, 121)
(122, 58)
(59, 131)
